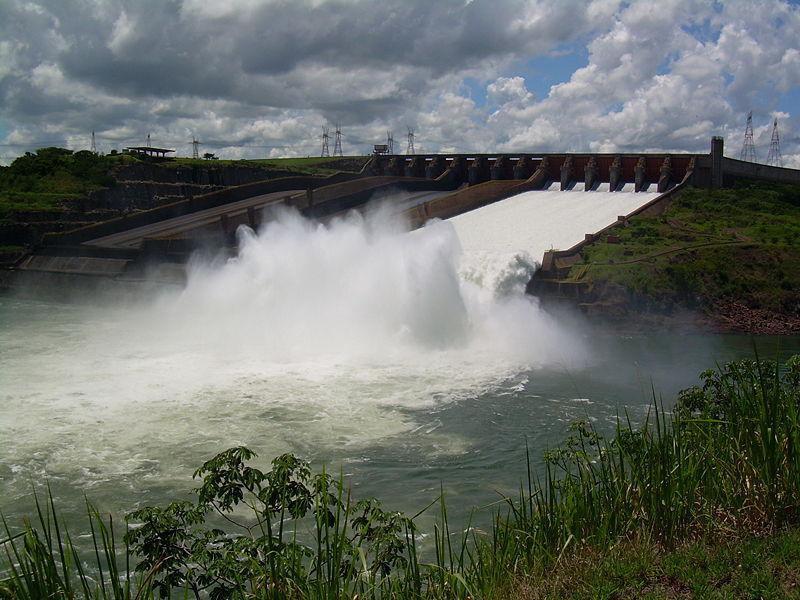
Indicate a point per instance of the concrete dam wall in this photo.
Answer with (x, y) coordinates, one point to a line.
(422, 187)
(663, 170)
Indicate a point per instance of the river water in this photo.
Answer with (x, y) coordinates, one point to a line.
(405, 361)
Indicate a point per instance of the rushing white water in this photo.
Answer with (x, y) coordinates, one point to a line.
(316, 337)
(503, 242)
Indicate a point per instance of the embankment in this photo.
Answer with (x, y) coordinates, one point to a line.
(56, 190)
(725, 259)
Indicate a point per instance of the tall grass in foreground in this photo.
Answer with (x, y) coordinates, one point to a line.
(726, 461)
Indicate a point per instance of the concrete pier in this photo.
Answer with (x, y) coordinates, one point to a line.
(590, 174)
(615, 174)
(640, 179)
(566, 172)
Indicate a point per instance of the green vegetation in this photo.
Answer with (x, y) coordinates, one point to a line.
(700, 501)
(302, 166)
(749, 567)
(41, 191)
(44, 179)
(709, 247)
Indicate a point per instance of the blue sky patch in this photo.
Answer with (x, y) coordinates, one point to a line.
(543, 72)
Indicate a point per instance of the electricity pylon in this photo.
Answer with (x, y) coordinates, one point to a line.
(774, 157)
(748, 152)
(325, 137)
(337, 145)
(410, 146)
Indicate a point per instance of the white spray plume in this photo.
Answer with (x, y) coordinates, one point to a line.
(357, 289)
(313, 338)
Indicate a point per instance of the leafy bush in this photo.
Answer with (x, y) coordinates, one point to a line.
(56, 170)
(352, 545)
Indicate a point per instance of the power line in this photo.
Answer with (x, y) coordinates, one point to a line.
(99, 140)
(410, 146)
(31, 144)
(195, 148)
(215, 143)
(94, 144)
(64, 142)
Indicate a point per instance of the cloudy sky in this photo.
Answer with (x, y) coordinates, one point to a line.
(255, 78)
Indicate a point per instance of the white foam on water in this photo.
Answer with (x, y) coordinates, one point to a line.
(504, 242)
(314, 338)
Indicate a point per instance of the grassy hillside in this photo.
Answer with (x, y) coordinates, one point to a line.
(44, 179)
(732, 254)
(313, 165)
(718, 568)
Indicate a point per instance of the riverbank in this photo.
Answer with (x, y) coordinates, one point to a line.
(754, 566)
(657, 510)
(718, 260)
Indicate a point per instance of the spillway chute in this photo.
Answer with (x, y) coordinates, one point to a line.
(498, 237)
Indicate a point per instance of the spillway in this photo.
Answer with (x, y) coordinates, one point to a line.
(504, 240)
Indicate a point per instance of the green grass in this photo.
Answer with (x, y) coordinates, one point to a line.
(306, 165)
(710, 245)
(44, 180)
(700, 502)
(749, 567)
(12, 203)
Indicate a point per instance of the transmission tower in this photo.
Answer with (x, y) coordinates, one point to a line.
(325, 137)
(148, 140)
(389, 143)
(337, 145)
(94, 145)
(410, 147)
(195, 148)
(774, 157)
(748, 152)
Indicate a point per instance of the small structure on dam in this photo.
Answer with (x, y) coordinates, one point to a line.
(422, 187)
(147, 151)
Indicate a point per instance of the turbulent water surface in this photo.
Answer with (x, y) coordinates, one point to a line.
(405, 360)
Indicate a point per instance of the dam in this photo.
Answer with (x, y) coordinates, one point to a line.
(418, 188)
(409, 361)
(159, 242)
